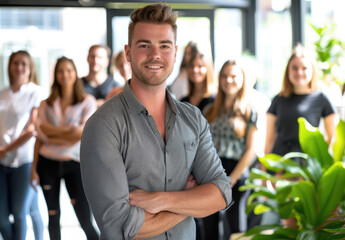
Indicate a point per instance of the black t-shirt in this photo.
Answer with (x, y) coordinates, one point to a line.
(312, 107)
(101, 91)
(203, 103)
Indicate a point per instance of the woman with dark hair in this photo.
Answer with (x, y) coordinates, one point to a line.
(60, 123)
(200, 82)
(180, 85)
(18, 113)
(233, 127)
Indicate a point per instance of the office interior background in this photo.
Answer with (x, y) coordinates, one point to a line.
(264, 31)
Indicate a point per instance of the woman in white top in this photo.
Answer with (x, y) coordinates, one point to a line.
(18, 111)
(60, 123)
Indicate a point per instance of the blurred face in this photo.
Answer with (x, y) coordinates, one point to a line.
(20, 69)
(197, 71)
(98, 60)
(152, 53)
(231, 80)
(66, 75)
(188, 53)
(124, 68)
(300, 72)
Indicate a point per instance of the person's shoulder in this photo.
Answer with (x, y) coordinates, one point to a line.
(84, 80)
(184, 99)
(89, 98)
(320, 94)
(111, 107)
(111, 81)
(5, 91)
(188, 111)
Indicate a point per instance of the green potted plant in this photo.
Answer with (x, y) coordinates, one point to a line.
(328, 48)
(313, 194)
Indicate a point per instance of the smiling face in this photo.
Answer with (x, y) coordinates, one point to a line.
(19, 69)
(152, 53)
(66, 74)
(231, 79)
(98, 59)
(197, 71)
(300, 72)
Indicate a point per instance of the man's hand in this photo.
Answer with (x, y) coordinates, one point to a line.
(190, 182)
(150, 202)
(153, 202)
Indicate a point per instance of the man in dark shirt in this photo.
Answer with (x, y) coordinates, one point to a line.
(98, 82)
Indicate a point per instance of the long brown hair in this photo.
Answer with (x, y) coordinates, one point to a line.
(240, 111)
(194, 50)
(56, 90)
(287, 86)
(209, 78)
(156, 13)
(33, 72)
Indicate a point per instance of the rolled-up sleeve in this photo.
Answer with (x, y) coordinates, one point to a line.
(105, 181)
(207, 167)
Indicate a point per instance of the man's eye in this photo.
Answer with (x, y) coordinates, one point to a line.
(143, 46)
(166, 46)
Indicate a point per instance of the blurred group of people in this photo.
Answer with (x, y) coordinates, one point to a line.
(40, 139)
(40, 134)
(245, 124)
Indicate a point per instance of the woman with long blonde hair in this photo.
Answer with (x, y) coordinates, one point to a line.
(18, 113)
(233, 128)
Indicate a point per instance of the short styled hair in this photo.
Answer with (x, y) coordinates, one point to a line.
(106, 48)
(155, 13)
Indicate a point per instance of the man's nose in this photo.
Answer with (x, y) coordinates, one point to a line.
(155, 53)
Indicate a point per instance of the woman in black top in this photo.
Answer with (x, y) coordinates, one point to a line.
(298, 98)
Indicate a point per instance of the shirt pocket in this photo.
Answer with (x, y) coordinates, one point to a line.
(190, 148)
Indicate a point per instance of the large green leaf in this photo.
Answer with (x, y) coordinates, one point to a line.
(306, 235)
(314, 169)
(264, 193)
(258, 174)
(305, 192)
(339, 144)
(259, 207)
(335, 236)
(286, 210)
(278, 163)
(283, 190)
(330, 191)
(313, 143)
(265, 160)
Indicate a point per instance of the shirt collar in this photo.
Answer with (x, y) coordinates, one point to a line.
(136, 107)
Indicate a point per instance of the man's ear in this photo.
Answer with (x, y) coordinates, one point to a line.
(128, 53)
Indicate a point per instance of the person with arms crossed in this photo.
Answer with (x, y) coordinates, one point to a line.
(60, 121)
(148, 162)
(18, 114)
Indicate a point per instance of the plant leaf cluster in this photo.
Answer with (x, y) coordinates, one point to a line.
(328, 48)
(312, 193)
